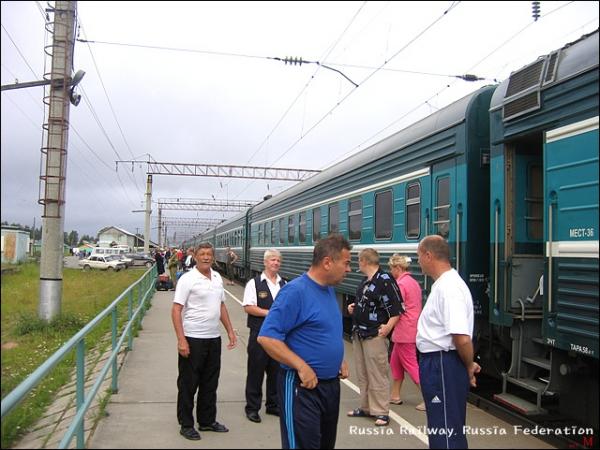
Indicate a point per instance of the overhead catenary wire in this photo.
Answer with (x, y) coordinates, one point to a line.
(19, 51)
(265, 57)
(395, 121)
(326, 53)
(368, 77)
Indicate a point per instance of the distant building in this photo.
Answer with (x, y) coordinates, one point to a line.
(115, 236)
(15, 245)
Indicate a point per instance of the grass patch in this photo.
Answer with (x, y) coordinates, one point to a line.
(28, 341)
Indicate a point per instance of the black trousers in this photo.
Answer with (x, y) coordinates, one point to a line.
(199, 372)
(260, 362)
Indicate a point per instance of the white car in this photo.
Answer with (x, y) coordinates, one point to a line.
(128, 262)
(102, 263)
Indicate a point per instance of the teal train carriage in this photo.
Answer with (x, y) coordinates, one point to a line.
(544, 233)
(231, 233)
(430, 178)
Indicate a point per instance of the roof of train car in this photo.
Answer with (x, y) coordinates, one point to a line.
(576, 57)
(440, 120)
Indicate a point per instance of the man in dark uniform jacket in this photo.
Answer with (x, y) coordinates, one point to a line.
(258, 298)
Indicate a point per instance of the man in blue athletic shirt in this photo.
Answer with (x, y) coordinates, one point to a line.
(303, 331)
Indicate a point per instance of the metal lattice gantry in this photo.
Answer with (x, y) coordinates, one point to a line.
(197, 204)
(227, 171)
(211, 170)
(190, 222)
(202, 204)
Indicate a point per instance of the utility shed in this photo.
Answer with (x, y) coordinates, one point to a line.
(15, 244)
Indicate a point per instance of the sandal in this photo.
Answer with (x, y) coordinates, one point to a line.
(396, 401)
(382, 421)
(420, 406)
(358, 412)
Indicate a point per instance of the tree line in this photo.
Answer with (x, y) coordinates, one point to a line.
(71, 239)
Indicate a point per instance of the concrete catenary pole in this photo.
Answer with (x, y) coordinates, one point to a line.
(160, 241)
(148, 212)
(55, 156)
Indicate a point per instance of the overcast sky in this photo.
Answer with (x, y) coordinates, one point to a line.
(214, 96)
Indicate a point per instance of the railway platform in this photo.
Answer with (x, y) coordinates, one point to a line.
(143, 413)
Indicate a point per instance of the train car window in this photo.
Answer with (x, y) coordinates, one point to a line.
(302, 228)
(334, 218)
(354, 218)
(442, 209)
(534, 203)
(260, 235)
(383, 215)
(316, 224)
(272, 232)
(413, 210)
(281, 231)
(291, 229)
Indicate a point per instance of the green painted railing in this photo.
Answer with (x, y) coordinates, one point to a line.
(145, 289)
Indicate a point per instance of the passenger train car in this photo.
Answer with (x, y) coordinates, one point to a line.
(509, 176)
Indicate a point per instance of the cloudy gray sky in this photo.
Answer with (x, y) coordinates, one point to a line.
(191, 82)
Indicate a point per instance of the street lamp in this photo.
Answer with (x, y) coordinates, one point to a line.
(59, 82)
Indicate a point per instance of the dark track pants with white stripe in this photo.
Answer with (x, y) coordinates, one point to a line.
(308, 417)
(445, 385)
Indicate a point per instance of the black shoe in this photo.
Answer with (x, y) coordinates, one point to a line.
(190, 433)
(253, 417)
(215, 426)
(273, 411)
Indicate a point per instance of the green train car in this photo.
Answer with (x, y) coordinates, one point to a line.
(544, 231)
(509, 176)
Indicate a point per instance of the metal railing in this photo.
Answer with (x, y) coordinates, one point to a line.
(145, 289)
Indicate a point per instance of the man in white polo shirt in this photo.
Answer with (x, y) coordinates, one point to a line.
(444, 332)
(198, 306)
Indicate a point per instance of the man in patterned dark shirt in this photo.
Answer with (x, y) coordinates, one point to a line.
(374, 315)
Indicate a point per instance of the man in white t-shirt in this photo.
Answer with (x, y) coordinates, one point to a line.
(198, 306)
(444, 333)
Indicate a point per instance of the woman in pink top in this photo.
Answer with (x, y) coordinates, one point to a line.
(404, 353)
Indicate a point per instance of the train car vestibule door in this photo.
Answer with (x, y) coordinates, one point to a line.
(443, 204)
(525, 223)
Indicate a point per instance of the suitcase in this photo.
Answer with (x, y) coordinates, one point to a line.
(163, 282)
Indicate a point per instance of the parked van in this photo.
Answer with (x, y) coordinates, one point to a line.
(105, 251)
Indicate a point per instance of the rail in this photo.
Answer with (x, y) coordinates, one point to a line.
(145, 290)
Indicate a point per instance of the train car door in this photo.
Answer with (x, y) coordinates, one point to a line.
(523, 234)
(443, 203)
(443, 210)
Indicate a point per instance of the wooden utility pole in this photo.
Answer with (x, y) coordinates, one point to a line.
(54, 158)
